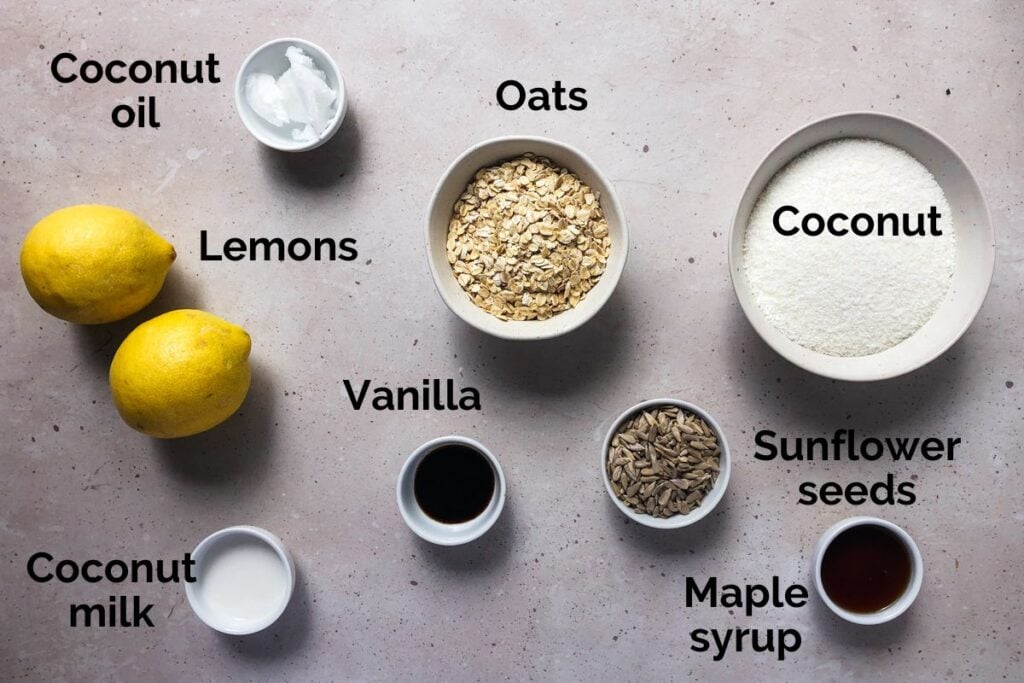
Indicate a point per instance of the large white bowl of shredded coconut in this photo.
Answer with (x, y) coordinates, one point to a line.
(862, 248)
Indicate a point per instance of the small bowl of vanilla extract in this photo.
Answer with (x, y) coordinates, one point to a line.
(868, 570)
(451, 490)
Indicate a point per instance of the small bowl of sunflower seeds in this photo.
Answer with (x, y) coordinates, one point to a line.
(525, 238)
(665, 463)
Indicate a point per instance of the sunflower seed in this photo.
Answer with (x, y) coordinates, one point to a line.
(663, 461)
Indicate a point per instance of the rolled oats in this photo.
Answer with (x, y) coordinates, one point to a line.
(527, 240)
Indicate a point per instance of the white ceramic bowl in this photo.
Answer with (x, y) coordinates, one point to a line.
(710, 501)
(438, 532)
(453, 183)
(893, 610)
(209, 612)
(974, 237)
(269, 58)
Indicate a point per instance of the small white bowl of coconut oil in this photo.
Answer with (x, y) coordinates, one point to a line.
(244, 580)
(290, 95)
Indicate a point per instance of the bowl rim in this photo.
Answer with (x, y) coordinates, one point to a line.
(467, 531)
(542, 331)
(233, 532)
(279, 143)
(908, 597)
(876, 374)
(678, 520)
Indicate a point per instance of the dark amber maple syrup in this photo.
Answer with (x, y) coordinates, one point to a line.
(866, 568)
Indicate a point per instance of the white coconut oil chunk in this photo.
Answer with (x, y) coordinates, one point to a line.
(851, 294)
(300, 98)
(242, 580)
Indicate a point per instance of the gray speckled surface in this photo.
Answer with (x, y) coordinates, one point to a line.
(684, 102)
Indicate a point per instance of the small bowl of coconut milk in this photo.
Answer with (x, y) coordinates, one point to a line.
(244, 580)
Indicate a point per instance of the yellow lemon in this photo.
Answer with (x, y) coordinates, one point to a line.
(181, 373)
(94, 264)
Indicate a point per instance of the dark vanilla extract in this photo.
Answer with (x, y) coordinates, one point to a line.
(454, 483)
(865, 569)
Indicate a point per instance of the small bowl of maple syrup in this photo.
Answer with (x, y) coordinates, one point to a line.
(867, 570)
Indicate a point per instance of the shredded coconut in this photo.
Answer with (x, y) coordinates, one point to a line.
(850, 295)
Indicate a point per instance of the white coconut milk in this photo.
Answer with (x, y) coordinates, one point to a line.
(242, 580)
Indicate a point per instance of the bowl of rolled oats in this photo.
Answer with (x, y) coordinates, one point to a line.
(665, 463)
(525, 238)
